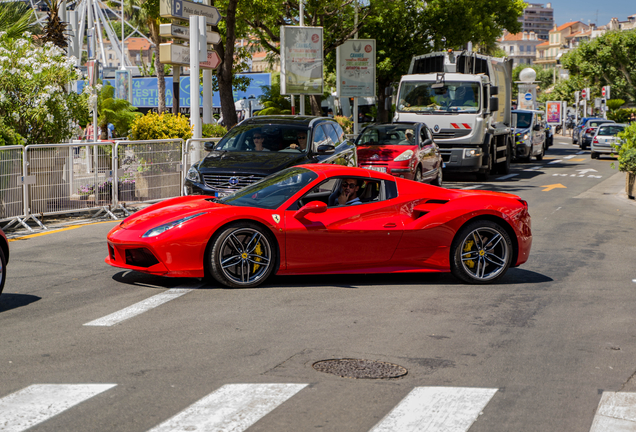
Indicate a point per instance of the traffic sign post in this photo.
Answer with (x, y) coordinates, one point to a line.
(182, 9)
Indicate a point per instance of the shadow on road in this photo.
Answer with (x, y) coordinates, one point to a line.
(14, 301)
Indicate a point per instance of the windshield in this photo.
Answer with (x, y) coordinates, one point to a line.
(397, 134)
(264, 138)
(524, 120)
(273, 191)
(452, 97)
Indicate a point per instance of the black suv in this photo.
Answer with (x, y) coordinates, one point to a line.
(260, 146)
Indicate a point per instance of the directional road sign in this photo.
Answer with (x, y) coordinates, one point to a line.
(182, 9)
(180, 55)
(181, 32)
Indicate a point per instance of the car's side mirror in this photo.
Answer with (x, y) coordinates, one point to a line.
(209, 145)
(426, 142)
(536, 127)
(311, 207)
(326, 149)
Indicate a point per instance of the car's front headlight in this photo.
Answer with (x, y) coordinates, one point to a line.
(193, 175)
(165, 227)
(525, 137)
(404, 156)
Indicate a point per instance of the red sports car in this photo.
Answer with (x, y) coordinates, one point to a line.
(322, 219)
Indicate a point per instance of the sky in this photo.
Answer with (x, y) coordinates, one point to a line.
(584, 10)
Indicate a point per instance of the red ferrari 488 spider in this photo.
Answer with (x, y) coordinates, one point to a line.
(323, 219)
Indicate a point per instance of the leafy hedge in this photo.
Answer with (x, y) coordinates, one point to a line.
(160, 126)
(212, 131)
(627, 150)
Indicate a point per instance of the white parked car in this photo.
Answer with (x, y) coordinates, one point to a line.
(605, 139)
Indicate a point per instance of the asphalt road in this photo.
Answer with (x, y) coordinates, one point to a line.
(544, 350)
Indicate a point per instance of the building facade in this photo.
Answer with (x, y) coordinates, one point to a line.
(538, 18)
(560, 40)
(520, 47)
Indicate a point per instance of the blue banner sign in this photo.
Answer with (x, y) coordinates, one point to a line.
(145, 93)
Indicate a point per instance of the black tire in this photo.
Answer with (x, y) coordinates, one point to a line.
(484, 175)
(504, 167)
(583, 145)
(540, 155)
(418, 175)
(594, 155)
(3, 270)
(242, 255)
(468, 247)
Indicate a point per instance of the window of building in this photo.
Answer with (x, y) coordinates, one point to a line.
(520, 48)
(512, 49)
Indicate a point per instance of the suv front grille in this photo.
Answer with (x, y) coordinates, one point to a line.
(229, 181)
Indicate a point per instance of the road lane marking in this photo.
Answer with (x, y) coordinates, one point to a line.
(57, 230)
(436, 409)
(534, 168)
(569, 157)
(581, 152)
(616, 411)
(507, 176)
(233, 407)
(555, 161)
(548, 188)
(472, 187)
(39, 402)
(139, 308)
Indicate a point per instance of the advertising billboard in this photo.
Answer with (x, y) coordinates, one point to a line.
(355, 68)
(301, 58)
(554, 113)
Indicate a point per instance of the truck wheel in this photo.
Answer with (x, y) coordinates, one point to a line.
(504, 167)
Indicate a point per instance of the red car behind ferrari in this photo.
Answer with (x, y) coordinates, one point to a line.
(293, 222)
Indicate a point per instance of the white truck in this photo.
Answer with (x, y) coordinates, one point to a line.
(464, 98)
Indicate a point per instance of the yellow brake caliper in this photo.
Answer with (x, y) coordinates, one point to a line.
(258, 251)
(467, 248)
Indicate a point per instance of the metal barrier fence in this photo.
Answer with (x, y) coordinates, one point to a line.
(48, 179)
(11, 194)
(148, 170)
(193, 151)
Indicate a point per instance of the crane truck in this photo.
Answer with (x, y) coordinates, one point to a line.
(465, 99)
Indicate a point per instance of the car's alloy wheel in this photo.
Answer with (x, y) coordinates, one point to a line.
(481, 252)
(3, 270)
(242, 256)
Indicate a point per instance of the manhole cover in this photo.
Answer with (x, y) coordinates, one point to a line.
(356, 368)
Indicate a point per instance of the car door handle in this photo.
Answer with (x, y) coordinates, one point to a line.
(390, 225)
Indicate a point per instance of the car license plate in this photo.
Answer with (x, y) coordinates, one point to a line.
(374, 168)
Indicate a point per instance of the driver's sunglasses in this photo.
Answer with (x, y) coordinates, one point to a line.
(258, 137)
(302, 136)
(349, 185)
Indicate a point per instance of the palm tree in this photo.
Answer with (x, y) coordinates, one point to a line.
(145, 14)
(17, 18)
(55, 28)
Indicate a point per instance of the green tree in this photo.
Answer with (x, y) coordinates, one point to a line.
(336, 17)
(607, 60)
(55, 30)
(272, 100)
(119, 112)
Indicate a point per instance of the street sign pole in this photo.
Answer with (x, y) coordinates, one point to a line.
(301, 97)
(195, 118)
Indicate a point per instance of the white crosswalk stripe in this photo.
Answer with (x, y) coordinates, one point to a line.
(436, 409)
(233, 407)
(32, 405)
(139, 308)
(615, 412)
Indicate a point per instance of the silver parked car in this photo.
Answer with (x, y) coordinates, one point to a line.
(605, 139)
(588, 131)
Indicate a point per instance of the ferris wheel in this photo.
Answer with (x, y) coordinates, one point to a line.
(91, 19)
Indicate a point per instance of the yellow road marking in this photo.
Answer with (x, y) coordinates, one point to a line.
(70, 227)
(553, 186)
(577, 160)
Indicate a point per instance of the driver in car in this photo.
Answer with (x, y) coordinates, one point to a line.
(349, 192)
(301, 136)
(258, 139)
